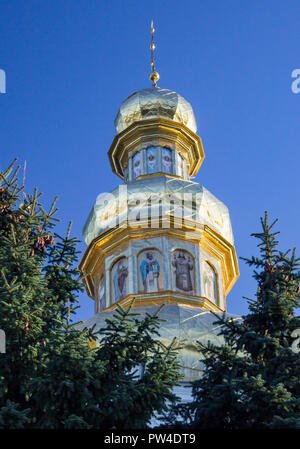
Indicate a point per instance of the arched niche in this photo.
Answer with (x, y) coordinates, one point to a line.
(150, 271)
(101, 294)
(152, 158)
(166, 160)
(183, 271)
(118, 279)
(209, 282)
(137, 165)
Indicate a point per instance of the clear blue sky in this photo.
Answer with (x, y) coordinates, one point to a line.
(70, 63)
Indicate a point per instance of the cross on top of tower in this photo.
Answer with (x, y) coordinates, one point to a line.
(154, 76)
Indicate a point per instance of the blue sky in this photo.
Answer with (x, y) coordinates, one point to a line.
(69, 64)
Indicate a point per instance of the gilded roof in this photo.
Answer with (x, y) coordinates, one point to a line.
(189, 325)
(209, 210)
(155, 102)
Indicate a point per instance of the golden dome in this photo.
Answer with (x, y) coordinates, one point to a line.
(155, 102)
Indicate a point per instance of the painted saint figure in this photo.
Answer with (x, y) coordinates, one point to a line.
(151, 156)
(183, 268)
(101, 295)
(150, 270)
(210, 282)
(179, 164)
(119, 280)
(166, 160)
(136, 161)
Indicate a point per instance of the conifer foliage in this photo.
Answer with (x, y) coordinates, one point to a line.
(252, 381)
(50, 377)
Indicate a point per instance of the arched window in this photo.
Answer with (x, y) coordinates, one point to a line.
(210, 282)
(183, 271)
(119, 279)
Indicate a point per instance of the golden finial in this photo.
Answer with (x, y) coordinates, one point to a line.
(154, 76)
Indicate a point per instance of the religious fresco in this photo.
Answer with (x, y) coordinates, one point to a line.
(119, 277)
(137, 164)
(179, 162)
(210, 286)
(101, 294)
(150, 271)
(166, 160)
(152, 160)
(183, 273)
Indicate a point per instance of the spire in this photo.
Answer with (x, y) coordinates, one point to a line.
(154, 76)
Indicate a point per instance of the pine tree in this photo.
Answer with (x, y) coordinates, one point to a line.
(252, 381)
(50, 377)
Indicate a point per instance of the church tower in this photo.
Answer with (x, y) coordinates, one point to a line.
(160, 237)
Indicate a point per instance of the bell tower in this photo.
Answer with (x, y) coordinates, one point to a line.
(159, 237)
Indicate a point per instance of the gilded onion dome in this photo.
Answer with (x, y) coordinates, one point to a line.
(152, 103)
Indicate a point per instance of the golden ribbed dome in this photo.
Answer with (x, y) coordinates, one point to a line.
(155, 102)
